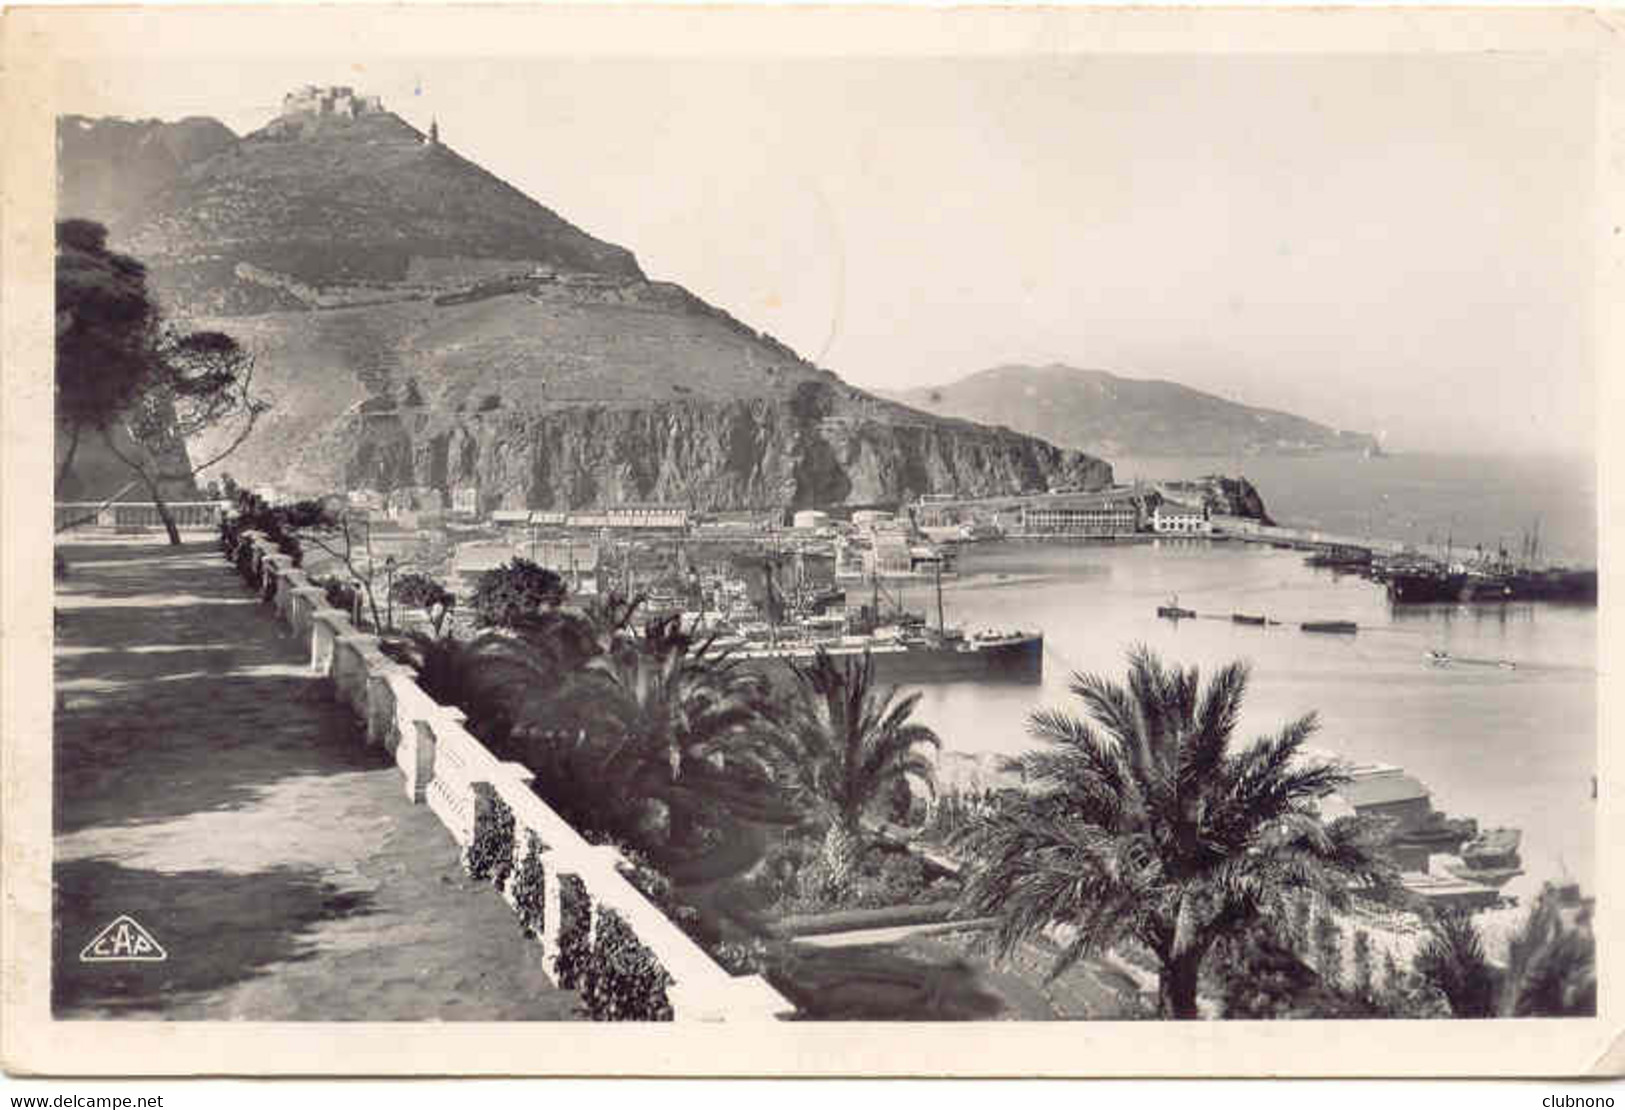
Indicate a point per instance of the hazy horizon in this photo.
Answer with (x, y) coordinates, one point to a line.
(1395, 245)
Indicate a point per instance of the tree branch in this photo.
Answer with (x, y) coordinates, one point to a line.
(67, 460)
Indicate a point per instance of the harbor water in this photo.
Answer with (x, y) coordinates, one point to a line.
(1419, 499)
(1507, 746)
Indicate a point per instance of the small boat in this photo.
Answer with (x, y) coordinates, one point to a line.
(1438, 657)
(1172, 610)
(1243, 618)
(1507, 665)
(1330, 626)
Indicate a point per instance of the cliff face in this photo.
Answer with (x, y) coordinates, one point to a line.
(695, 453)
(418, 322)
(543, 394)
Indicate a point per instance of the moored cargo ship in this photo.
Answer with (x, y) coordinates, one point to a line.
(904, 648)
(1555, 584)
(1422, 587)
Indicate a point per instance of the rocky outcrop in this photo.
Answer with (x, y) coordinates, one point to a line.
(704, 455)
(1241, 498)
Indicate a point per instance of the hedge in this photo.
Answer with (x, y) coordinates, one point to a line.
(490, 855)
(575, 930)
(623, 981)
(530, 887)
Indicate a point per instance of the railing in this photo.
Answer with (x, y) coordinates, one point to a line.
(446, 767)
(138, 514)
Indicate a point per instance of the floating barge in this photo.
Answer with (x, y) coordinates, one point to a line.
(1347, 628)
(1016, 657)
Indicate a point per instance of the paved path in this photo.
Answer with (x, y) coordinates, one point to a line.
(208, 786)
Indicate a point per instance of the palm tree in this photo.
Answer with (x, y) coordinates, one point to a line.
(1550, 971)
(848, 743)
(490, 677)
(670, 719)
(1143, 824)
(1453, 961)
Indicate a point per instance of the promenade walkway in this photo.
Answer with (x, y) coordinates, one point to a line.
(208, 787)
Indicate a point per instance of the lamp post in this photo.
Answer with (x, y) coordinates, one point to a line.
(389, 592)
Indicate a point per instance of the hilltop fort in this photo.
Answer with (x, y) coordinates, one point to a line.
(329, 100)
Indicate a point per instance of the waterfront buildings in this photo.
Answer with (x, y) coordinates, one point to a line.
(1382, 790)
(1176, 518)
(631, 517)
(1101, 514)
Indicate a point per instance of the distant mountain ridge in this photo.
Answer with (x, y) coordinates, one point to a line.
(1108, 415)
(110, 168)
(421, 323)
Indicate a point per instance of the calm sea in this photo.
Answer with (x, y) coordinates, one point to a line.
(1510, 747)
(1417, 498)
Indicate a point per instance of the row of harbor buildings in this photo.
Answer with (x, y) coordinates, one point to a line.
(1165, 508)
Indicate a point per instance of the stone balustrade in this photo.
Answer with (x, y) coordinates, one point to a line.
(137, 515)
(447, 768)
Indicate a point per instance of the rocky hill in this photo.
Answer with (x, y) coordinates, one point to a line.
(421, 323)
(1092, 410)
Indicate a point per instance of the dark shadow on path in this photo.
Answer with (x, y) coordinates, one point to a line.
(216, 928)
(143, 735)
(165, 749)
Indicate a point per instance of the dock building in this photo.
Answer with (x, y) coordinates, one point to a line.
(1099, 514)
(1177, 518)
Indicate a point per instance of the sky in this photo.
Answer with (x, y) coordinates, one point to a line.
(1392, 244)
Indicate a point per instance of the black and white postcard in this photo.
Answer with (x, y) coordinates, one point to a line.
(767, 541)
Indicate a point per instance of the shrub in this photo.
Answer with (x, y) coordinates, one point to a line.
(653, 884)
(340, 594)
(1259, 977)
(490, 856)
(575, 929)
(794, 879)
(748, 957)
(291, 547)
(953, 810)
(511, 595)
(1328, 945)
(424, 592)
(530, 887)
(1363, 986)
(623, 981)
